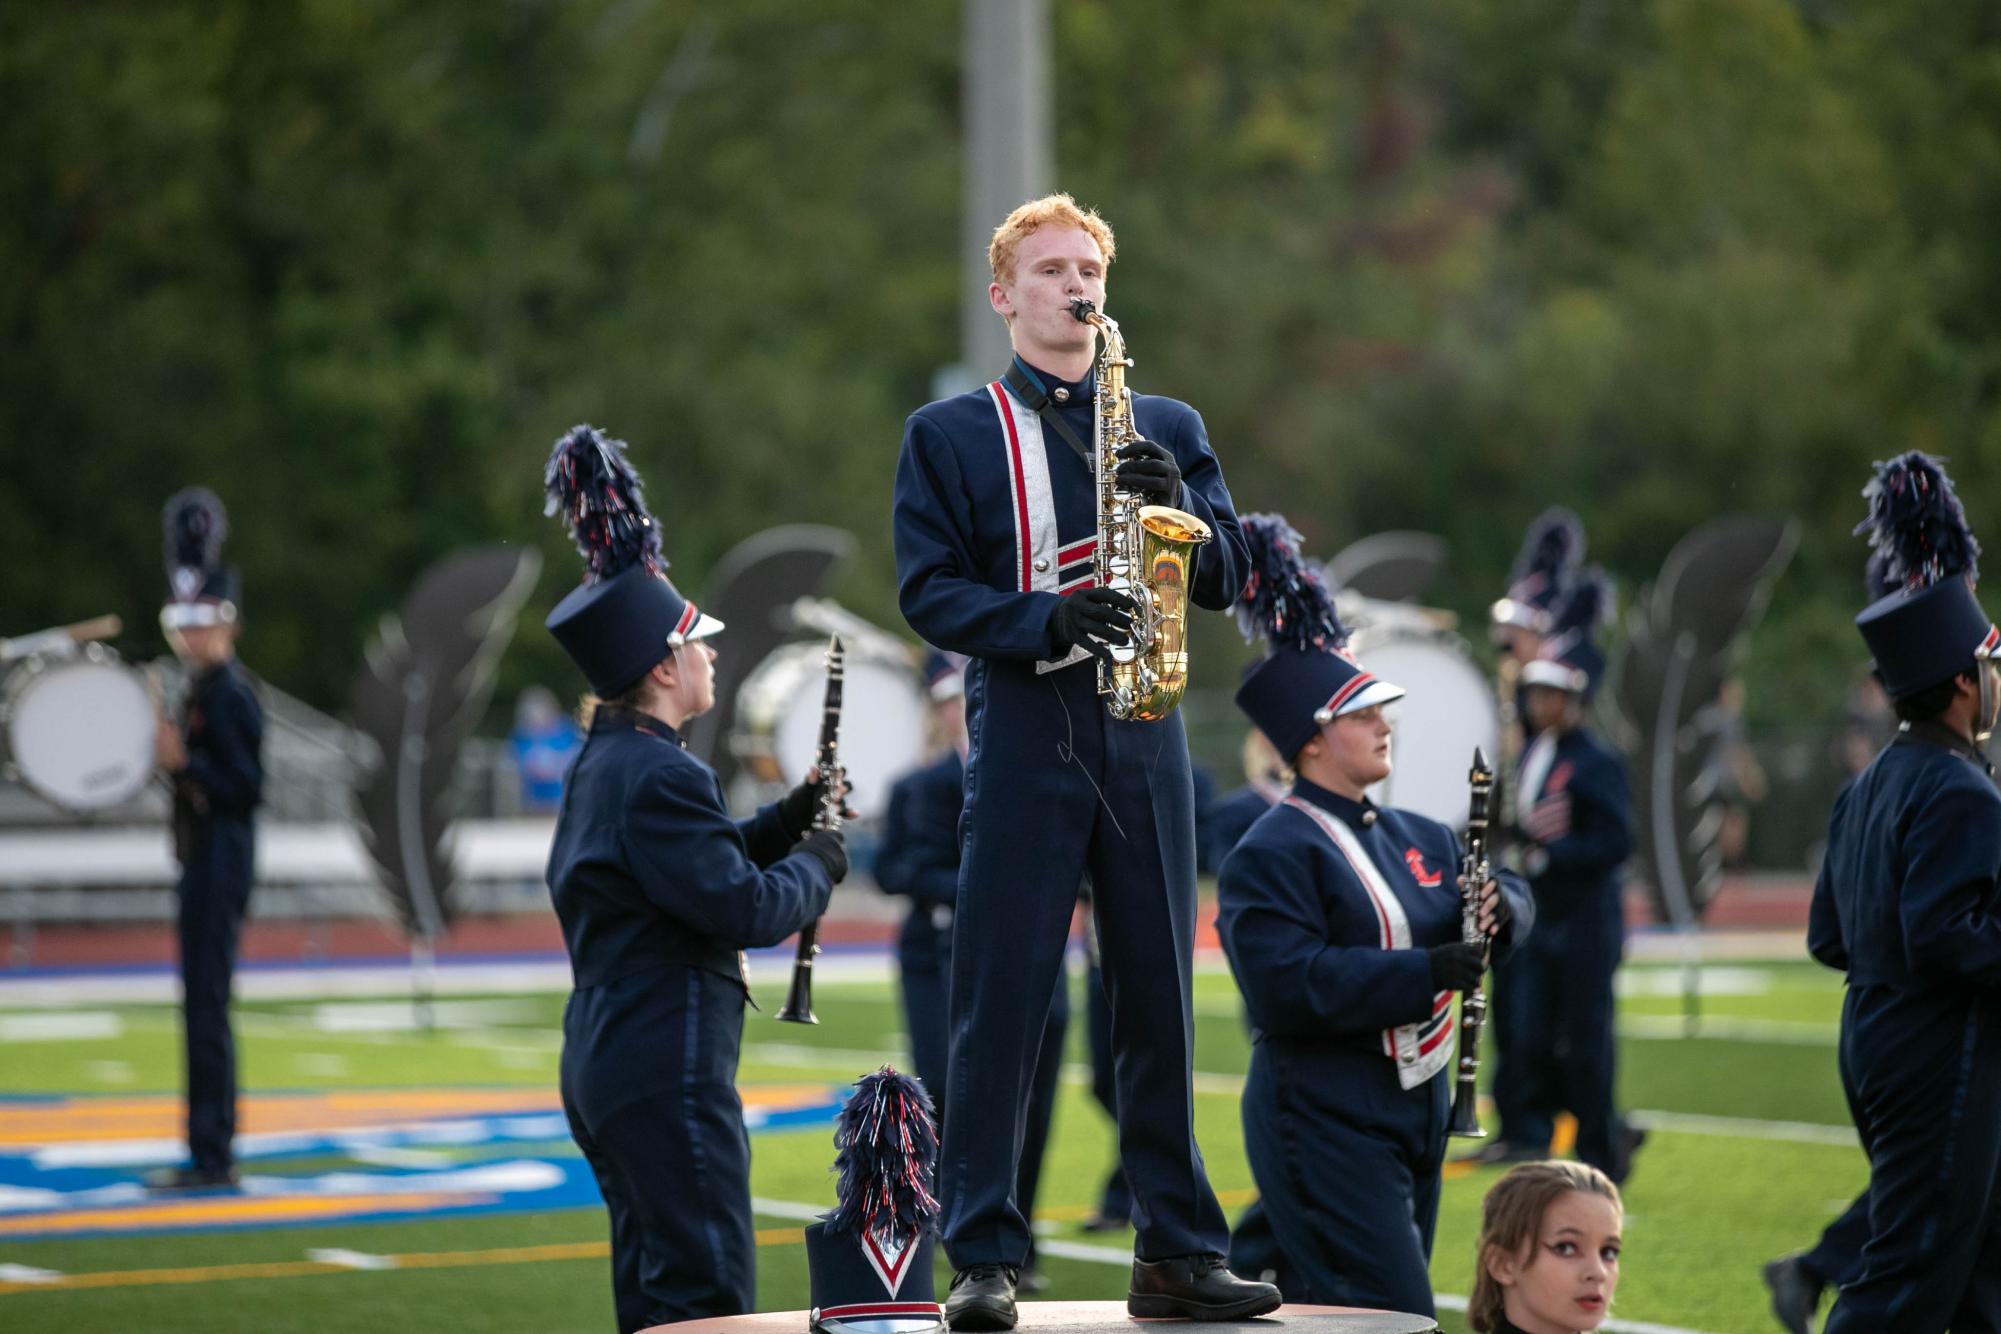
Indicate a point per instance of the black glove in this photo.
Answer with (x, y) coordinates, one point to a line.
(1090, 618)
(797, 808)
(1457, 967)
(830, 848)
(1151, 471)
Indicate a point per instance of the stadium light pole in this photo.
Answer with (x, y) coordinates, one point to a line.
(1008, 154)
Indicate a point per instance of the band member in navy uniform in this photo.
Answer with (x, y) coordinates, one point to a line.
(1343, 923)
(214, 758)
(917, 857)
(1539, 580)
(1229, 817)
(996, 526)
(1573, 818)
(658, 891)
(1908, 905)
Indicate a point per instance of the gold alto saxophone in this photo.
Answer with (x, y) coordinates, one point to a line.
(1146, 552)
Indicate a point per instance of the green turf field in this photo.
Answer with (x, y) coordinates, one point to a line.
(1747, 1159)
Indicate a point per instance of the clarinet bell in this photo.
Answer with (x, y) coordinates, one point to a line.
(799, 1000)
(1466, 1119)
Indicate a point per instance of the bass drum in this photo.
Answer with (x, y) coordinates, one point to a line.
(883, 720)
(1448, 711)
(79, 729)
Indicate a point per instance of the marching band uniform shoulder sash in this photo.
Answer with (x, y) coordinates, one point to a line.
(1326, 909)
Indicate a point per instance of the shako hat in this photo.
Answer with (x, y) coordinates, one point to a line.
(1307, 676)
(1551, 550)
(1925, 625)
(870, 1258)
(201, 590)
(1570, 658)
(944, 675)
(626, 616)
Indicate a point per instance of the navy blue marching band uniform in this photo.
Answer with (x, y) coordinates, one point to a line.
(1328, 909)
(215, 798)
(1908, 905)
(917, 857)
(995, 521)
(1573, 818)
(1537, 583)
(658, 890)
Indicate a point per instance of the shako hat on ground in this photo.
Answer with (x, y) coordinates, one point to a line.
(626, 616)
(870, 1258)
(201, 590)
(1925, 625)
(1307, 677)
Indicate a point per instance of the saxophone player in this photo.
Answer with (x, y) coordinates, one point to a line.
(996, 526)
(1345, 928)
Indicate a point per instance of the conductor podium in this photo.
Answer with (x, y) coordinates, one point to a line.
(1110, 1318)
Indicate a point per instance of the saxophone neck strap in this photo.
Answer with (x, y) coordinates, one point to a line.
(1024, 387)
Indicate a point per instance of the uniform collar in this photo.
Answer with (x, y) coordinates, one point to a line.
(1062, 393)
(611, 718)
(1933, 732)
(1361, 814)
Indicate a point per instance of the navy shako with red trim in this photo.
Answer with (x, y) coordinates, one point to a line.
(201, 590)
(1292, 692)
(1539, 579)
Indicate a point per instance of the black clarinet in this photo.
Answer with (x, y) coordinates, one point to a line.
(1473, 874)
(799, 1001)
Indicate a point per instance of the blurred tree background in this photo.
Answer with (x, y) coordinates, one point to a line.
(357, 263)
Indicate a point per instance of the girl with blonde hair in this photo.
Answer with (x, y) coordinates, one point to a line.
(1547, 1260)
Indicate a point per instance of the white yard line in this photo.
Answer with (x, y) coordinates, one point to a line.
(1745, 1127)
(1730, 1028)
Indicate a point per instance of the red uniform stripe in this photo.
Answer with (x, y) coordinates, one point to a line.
(1076, 551)
(1020, 487)
(878, 1309)
(689, 615)
(1346, 692)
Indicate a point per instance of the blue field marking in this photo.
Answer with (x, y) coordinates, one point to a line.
(516, 1162)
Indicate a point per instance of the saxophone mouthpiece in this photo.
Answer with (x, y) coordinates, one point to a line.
(1082, 309)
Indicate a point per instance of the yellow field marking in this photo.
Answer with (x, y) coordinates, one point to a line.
(232, 1209)
(508, 1255)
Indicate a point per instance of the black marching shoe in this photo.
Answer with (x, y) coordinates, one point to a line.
(191, 1178)
(1196, 1287)
(1795, 1293)
(1504, 1153)
(982, 1298)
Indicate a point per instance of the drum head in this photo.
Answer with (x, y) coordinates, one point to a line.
(80, 732)
(1448, 711)
(882, 721)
